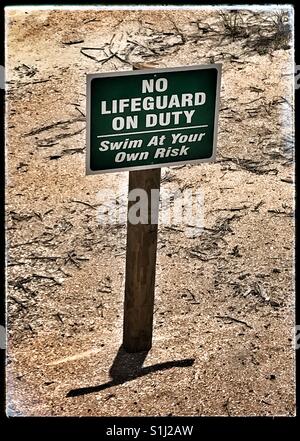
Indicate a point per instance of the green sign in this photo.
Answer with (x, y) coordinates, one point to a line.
(152, 118)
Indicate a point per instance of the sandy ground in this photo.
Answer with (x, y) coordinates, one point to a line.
(224, 309)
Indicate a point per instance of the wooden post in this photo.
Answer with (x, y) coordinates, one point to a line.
(140, 265)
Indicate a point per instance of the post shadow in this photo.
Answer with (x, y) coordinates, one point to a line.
(127, 367)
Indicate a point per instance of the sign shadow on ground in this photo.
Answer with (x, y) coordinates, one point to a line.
(127, 367)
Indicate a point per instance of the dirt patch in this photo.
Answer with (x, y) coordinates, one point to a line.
(224, 306)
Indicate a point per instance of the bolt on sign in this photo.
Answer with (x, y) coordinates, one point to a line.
(151, 118)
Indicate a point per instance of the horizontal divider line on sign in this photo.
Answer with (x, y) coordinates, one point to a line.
(152, 131)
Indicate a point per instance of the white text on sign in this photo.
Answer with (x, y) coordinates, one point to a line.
(150, 103)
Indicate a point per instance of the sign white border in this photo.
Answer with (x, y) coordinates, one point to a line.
(140, 72)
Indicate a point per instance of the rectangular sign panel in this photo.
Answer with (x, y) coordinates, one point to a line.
(152, 118)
